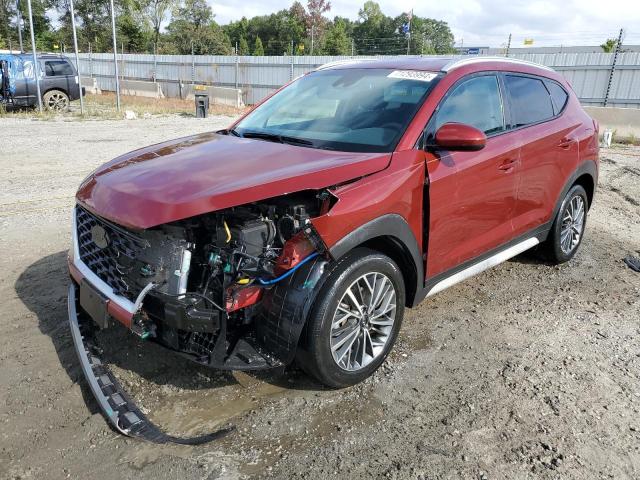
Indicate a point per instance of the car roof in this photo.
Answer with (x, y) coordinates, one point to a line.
(56, 56)
(435, 64)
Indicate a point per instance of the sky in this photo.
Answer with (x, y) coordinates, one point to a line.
(487, 23)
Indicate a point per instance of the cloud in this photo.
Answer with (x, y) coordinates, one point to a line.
(488, 22)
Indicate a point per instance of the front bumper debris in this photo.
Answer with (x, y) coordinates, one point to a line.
(114, 402)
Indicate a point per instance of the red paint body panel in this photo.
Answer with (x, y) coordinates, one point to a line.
(200, 174)
(398, 189)
(472, 202)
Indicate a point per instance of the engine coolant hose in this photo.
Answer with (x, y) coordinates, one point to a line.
(288, 273)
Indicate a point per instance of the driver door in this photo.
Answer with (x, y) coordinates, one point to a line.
(472, 194)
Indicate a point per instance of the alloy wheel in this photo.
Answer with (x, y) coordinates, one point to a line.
(363, 321)
(57, 102)
(572, 225)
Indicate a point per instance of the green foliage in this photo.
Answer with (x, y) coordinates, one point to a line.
(376, 33)
(243, 46)
(337, 42)
(258, 49)
(609, 46)
(140, 24)
(192, 29)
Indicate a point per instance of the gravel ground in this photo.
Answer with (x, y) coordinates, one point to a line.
(525, 371)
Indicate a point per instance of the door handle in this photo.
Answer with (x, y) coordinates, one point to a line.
(507, 165)
(566, 143)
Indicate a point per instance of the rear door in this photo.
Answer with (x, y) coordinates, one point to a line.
(59, 74)
(472, 194)
(549, 148)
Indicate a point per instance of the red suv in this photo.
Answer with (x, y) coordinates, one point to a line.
(305, 229)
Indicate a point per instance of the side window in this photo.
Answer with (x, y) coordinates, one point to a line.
(530, 100)
(475, 102)
(58, 68)
(558, 95)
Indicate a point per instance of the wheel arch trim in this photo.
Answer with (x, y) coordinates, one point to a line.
(390, 226)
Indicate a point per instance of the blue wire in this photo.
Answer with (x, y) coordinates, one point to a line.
(288, 273)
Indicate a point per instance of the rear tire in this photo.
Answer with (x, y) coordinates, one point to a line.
(568, 227)
(56, 101)
(355, 319)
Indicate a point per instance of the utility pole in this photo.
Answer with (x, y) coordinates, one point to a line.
(193, 65)
(75, 48)
(19, 22)
(409, 36)
(155, 62)
(115, 55)
(36, 70)
(237, 64)
(613, 67)
(313, 25)
(508, 46)
(353, 48)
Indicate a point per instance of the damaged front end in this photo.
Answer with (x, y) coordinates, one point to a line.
(205, 287)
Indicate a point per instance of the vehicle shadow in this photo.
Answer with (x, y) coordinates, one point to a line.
(42, 287)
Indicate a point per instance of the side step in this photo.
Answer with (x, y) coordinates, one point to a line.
(114, 402)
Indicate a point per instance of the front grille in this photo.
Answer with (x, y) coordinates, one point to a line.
(111, 260)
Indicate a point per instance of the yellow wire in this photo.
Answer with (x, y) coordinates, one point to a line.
(226, 229)
(243, 281)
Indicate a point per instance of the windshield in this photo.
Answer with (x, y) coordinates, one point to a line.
(354, 110)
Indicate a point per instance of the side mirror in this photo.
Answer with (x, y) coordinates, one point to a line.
(459, 136)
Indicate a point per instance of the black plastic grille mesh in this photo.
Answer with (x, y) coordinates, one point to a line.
(110, 262)
(198, 343)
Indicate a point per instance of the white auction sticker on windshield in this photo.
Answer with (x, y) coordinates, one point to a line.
(413, 75)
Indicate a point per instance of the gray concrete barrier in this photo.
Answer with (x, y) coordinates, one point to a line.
(217, 95)
(90, 85)
(139, 88)
(624, 122)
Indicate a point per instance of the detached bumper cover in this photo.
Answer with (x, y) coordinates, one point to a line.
(114, 402)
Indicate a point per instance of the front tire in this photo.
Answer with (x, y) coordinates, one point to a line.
(355, 320)
(568, 227)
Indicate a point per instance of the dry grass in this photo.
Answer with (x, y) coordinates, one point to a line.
(104, 107)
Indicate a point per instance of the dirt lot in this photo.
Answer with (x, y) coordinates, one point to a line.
(526, 371)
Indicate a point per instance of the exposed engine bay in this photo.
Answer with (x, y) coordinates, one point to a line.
(199, 282)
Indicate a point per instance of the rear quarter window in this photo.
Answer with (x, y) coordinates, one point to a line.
(558, 95)
(530, 100)
(58, 68)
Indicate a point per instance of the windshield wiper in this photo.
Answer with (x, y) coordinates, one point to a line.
(273, 137)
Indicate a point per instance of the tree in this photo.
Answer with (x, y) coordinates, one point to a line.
(316, 22)
(130, 34)
(243, 46)
(156, 12)
(258, 50)
(609, 46)
(193, 28)
(337, 42)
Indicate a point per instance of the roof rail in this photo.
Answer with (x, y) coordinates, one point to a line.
(346, 61)
(461, 62)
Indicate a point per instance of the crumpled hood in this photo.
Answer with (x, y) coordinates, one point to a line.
(207, 172)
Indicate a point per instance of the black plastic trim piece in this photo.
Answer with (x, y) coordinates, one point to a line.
(114, 402)
(285, 308)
